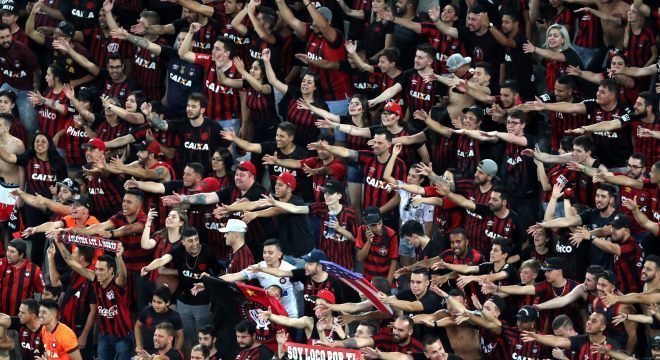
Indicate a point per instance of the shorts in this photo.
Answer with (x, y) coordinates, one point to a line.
(354, 173)
(6, 200)
(406, 248)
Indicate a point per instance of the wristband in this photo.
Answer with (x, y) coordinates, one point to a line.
(592, 237)
(112, 233)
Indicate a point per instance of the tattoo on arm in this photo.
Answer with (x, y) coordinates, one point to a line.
(350, 344)
(353, 155)
(435, 178)
(196, 199)
(157, 122)
(160, 171)
(138, 41)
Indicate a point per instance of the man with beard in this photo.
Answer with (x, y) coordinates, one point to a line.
(163, 344)
(581, 345)
(585, 292)
(251, 348)
(418, 93)
(611, 122)
(650, 295)
(321, 168)
(283, 149)
(626, 250)
(21, 278)
(28, 327)
(400, 340)
(21, 73)
(517, 64)
(603, 214)
(479, 42)
(624, 332)
(10, 174)
(146, 166)
(314, 279)
(565, 86)
(190, 180)
(644, 124)
(199, 135)
(194, 309)
(57, 207)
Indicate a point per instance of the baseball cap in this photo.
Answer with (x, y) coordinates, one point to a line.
(609, 276)
(333, 187)
(620, 221)
(527, 313)
(477, 110)
(315, 256)
(234, 225)
(393, 107)
(371, 216)
(151, 146)
(553, 263)
(82, 200)
(70, 184)
(246, 165)
(325, 295)
(488, 167)
(67, 28)
(19, 244)
(457, 60)
(9, 7)
(209, 184)
(288, 179)
(94, 143)
(498, 301)
(325, 12)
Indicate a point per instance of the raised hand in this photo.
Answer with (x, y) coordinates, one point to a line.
(173, 199)
(194, 27)
(265, 54)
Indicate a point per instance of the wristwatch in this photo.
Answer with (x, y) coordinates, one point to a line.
(490, 25)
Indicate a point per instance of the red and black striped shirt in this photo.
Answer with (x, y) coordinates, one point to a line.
(261, 107)
(18, 283)
(582, 347)
(149, 71)
(51, 121)
(444, 45)
(589, 31)
(376, 190)
(518, 349)
(163, 246)
(303, 119)
(383, 250)
(72, 140)
(544, 291)
(120, 90)
(135, 256)
(75, 302)
(627, 266)
(617, 332)
(639, 47)
(496, 227)
(649, 146)
(441, 149)
(239, 259)
(560, 122)
(419, 95)
(18, 131)
(474, 223)
(337, 167)
(336, 83)
(30, 341)
(554, 173)
(493, 346)
(565, 17)
(113, 315)
(106, 195)
(41, 174)
(224, 102)
(101, 46)
(468, 155)
(337, 247)
(107, 132)
(354, 142)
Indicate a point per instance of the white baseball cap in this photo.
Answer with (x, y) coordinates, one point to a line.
(234, 225)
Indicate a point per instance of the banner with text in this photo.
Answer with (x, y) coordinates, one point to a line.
(298, 351)
(88, 240)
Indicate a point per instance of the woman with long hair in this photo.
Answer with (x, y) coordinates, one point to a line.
(558, 53)
(310, 90)
(221, 164)
(164, 239)
(259, 100)
(52, 107)
(44, 167)
(131, 111)
(358, 118)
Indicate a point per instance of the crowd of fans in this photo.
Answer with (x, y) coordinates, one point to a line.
(491, 167)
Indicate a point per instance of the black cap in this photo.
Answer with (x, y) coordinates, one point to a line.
(477, 110)
(315, 256)
(609, 276)
(333, 187)
(371, 216)
(553, 263)
(620, 221)
(527, 313)
(498, 301)
(83, 200)
(67, 28)
(9, 7)
(20, 245)
(70, 184)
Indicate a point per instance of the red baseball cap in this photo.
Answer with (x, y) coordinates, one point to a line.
(393, 107)
(325, 295)
(152, 147)
(288, 179)
(209, 184)
(95, 143)
(247, 166)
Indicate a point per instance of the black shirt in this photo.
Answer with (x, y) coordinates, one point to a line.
(294, 231)
(197, 143)
(150, 318)
(592, 219)
(190, 268)
(519, 67)
(431, 302)
(482, 48)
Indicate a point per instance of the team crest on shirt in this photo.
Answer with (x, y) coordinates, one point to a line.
(110, 295)
(382, 251)
(519, 346)
(27, 274)
(282, 280)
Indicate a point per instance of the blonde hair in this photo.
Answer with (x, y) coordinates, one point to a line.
(564, 34)
(531, 264)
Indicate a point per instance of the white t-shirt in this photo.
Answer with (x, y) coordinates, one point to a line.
(422, 213)
(289, 289)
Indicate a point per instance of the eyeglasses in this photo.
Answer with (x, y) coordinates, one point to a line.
(635, 166)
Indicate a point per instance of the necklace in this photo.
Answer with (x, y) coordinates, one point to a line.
(194, 264)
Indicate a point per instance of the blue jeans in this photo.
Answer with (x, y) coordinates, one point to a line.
(338, 107)
(193, 317)
(25, 109)
(111, 347)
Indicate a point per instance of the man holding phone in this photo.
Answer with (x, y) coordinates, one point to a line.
(378, 246)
